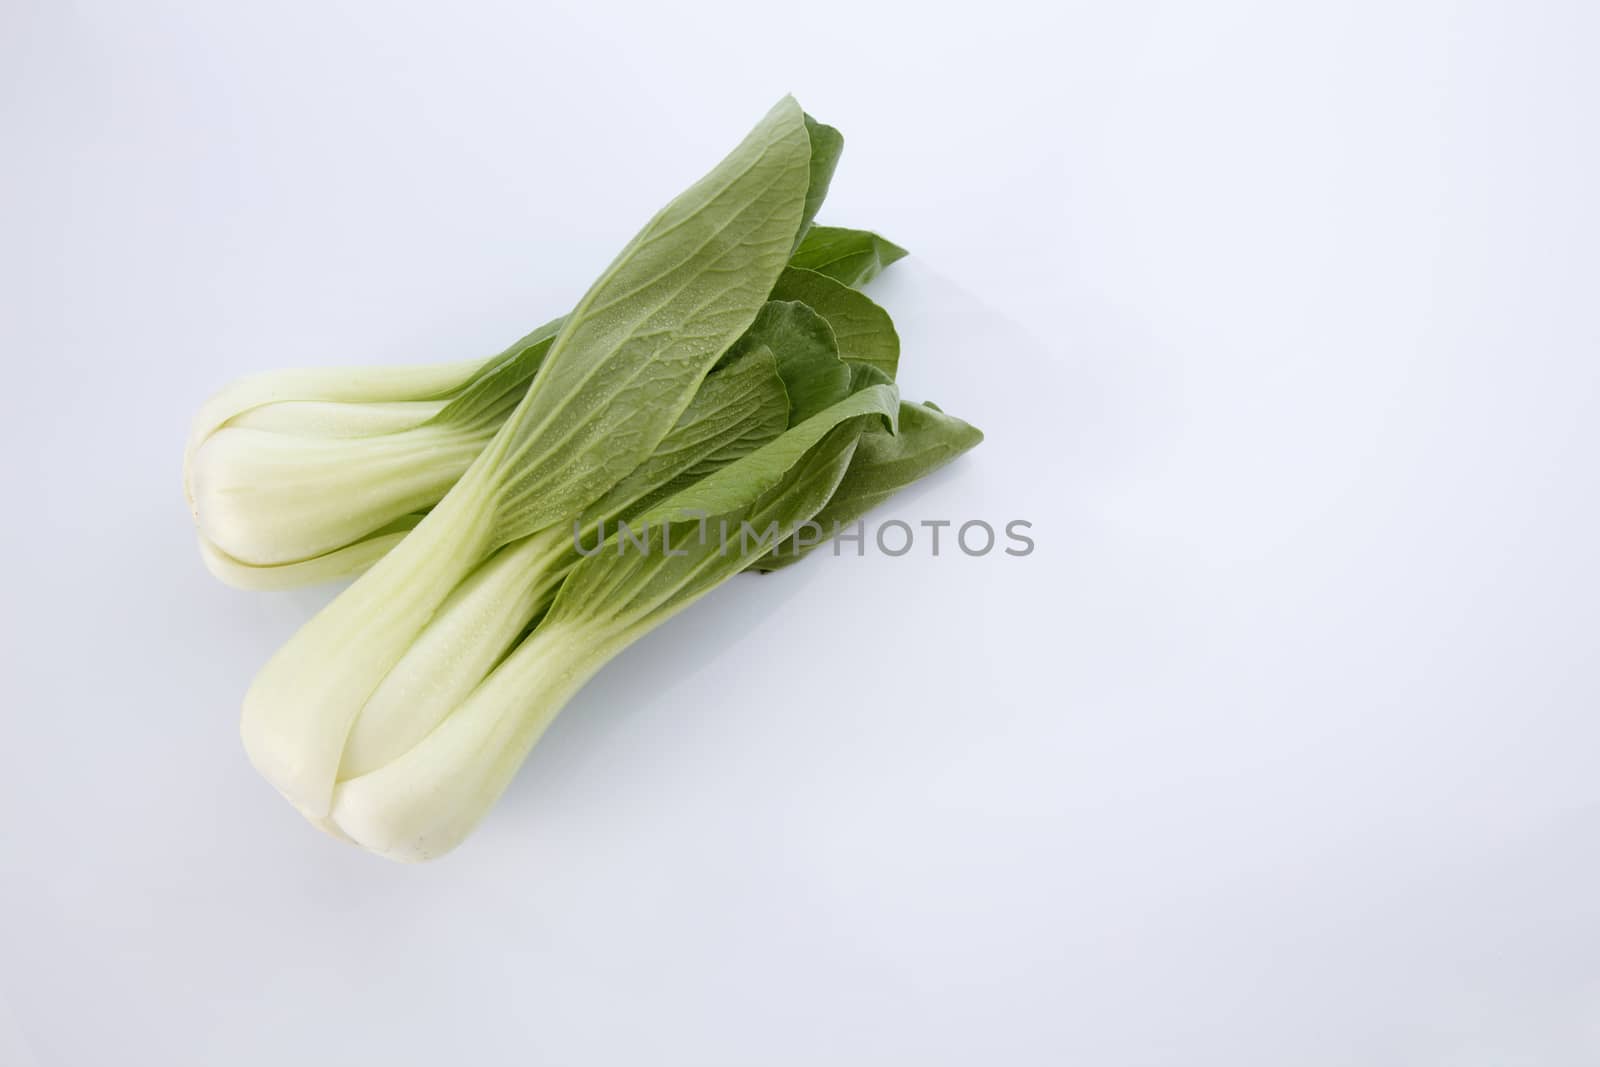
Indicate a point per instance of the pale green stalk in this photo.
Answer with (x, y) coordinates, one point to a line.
(739, 408)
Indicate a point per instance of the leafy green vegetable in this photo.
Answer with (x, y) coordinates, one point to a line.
(718, 390)
(853, 257)
(620, 372)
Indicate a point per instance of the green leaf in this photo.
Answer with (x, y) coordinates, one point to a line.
(741, 407)
(734, 486)
(883, 465)
(631, 355)
(774, 489)
(807, 355)
(864, 331)
(827, 144)
(864, 374)
(497, 389)
(853, 257)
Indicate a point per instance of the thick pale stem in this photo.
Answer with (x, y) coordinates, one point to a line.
(462, 643)
(335, 384)
(299, 711)
(346, 562)
(426, 802)
(267, 498)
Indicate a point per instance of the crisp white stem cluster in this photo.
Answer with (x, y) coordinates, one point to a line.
(428, 799)
(304, 702)
(299, 476)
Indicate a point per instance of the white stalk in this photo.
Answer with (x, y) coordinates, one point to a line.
(305, 476)
(301, 707)
(350, 560)
(425, 802)
(266, 498)
(323, 418)
(354, 385)
(469, 634)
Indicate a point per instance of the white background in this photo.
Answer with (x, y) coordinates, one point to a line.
(1281, 321)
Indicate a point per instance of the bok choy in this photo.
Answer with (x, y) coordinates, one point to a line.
(620, 371)
(522, 519)
(298, 477)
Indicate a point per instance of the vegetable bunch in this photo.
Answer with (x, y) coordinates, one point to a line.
(723, 374)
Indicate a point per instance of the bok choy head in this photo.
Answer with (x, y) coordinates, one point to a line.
(308, 476)
(619, 373)
(305, 476)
